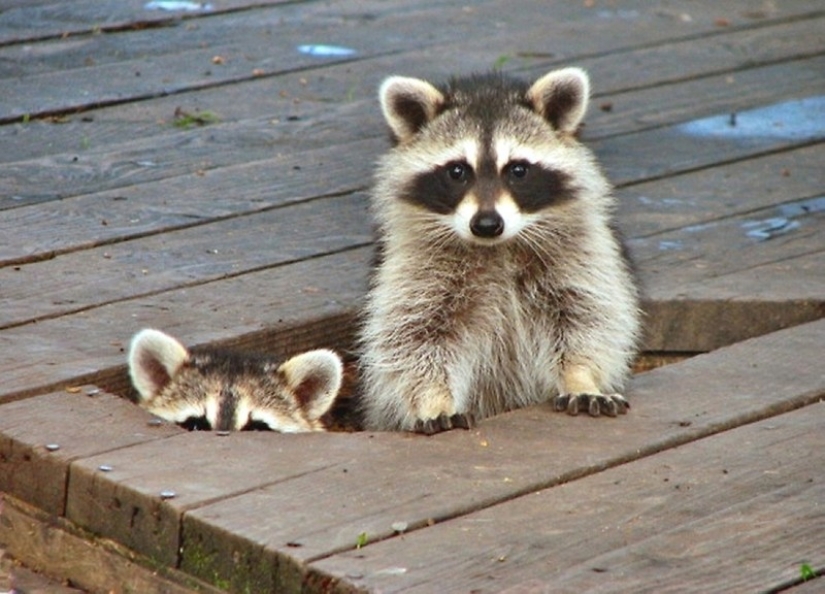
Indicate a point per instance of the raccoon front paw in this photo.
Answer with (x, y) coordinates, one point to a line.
(611, 405)
(444, 423)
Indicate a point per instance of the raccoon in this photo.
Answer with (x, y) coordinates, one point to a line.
(206, 388)
(502, 281)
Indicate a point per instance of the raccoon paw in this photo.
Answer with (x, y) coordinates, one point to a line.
(611, 405)
(444, 423)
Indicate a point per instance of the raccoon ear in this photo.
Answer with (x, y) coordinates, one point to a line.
(408, 104)
(314, 378)
(154, 358)
(561, 98)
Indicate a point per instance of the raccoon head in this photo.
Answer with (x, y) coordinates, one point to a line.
(483, 156)
(212, 389)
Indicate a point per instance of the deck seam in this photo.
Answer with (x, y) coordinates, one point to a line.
(811, 398)
(197, 222)
(76, 109)
(802, 144)
(150, 23)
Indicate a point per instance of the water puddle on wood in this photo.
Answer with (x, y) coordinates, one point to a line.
(773, 222)
(800, 120)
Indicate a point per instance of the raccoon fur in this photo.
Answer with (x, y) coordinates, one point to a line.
(502, 281)
(206, 388)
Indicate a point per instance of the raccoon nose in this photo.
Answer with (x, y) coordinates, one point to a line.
(487, 224)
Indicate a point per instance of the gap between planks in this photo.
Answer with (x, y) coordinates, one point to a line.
(440, 480)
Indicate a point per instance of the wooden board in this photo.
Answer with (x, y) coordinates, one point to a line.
(737, 306)
(80, 423)
(189, 257)
(696, 207)
(710, 276)
(456, 473)
(311, 93)
(270, 102)
(282, 310)
(179, 153)
(30, 20)
(252, 232)
(57, 548)
(346, 171)
(738, 511)
(183, 201)
(689, 201)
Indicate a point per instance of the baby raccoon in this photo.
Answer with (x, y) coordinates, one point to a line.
(206, 388)
(502, 282)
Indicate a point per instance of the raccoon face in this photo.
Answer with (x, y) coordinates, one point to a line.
(485, 156)
(210, 389)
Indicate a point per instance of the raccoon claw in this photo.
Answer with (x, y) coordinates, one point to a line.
(596, 405)
(444, 423)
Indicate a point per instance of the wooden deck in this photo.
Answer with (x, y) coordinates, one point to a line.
(205, 171)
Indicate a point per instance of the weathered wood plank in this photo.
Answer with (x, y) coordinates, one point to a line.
(281, 310)
(38, 20)
(627, 159)
(617, 113)
(158, 197)
(57, 548)
(157, 78)
(68, 283)
(260, 132)
(14, 576)
(315, 93)
(655, 208)
(711, 276)
(249, 44)
(691, 317)
(811, 586)
(711, 141)
(79, 424)
(735, 512)
(198, 467)
(183, 201)
(680, 60)
(194, 256)
(723, 247)
(456, 473)
(228, 248)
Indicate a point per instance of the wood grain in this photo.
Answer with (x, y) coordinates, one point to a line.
(59, 549)
(734, 512)
(295, 307)
(417, 481)
(252, 232)
(79, 424)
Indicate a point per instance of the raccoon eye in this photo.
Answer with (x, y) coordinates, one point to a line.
(457, 171)
(518, 169)
(256, 425)
(196, 424)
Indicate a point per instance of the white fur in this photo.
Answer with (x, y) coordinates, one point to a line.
(514, 220)
(553, 83)
(323, 366)
(149, 346)
(396, 87)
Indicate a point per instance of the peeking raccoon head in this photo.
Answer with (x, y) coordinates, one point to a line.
(206, 388)
(485, 156)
